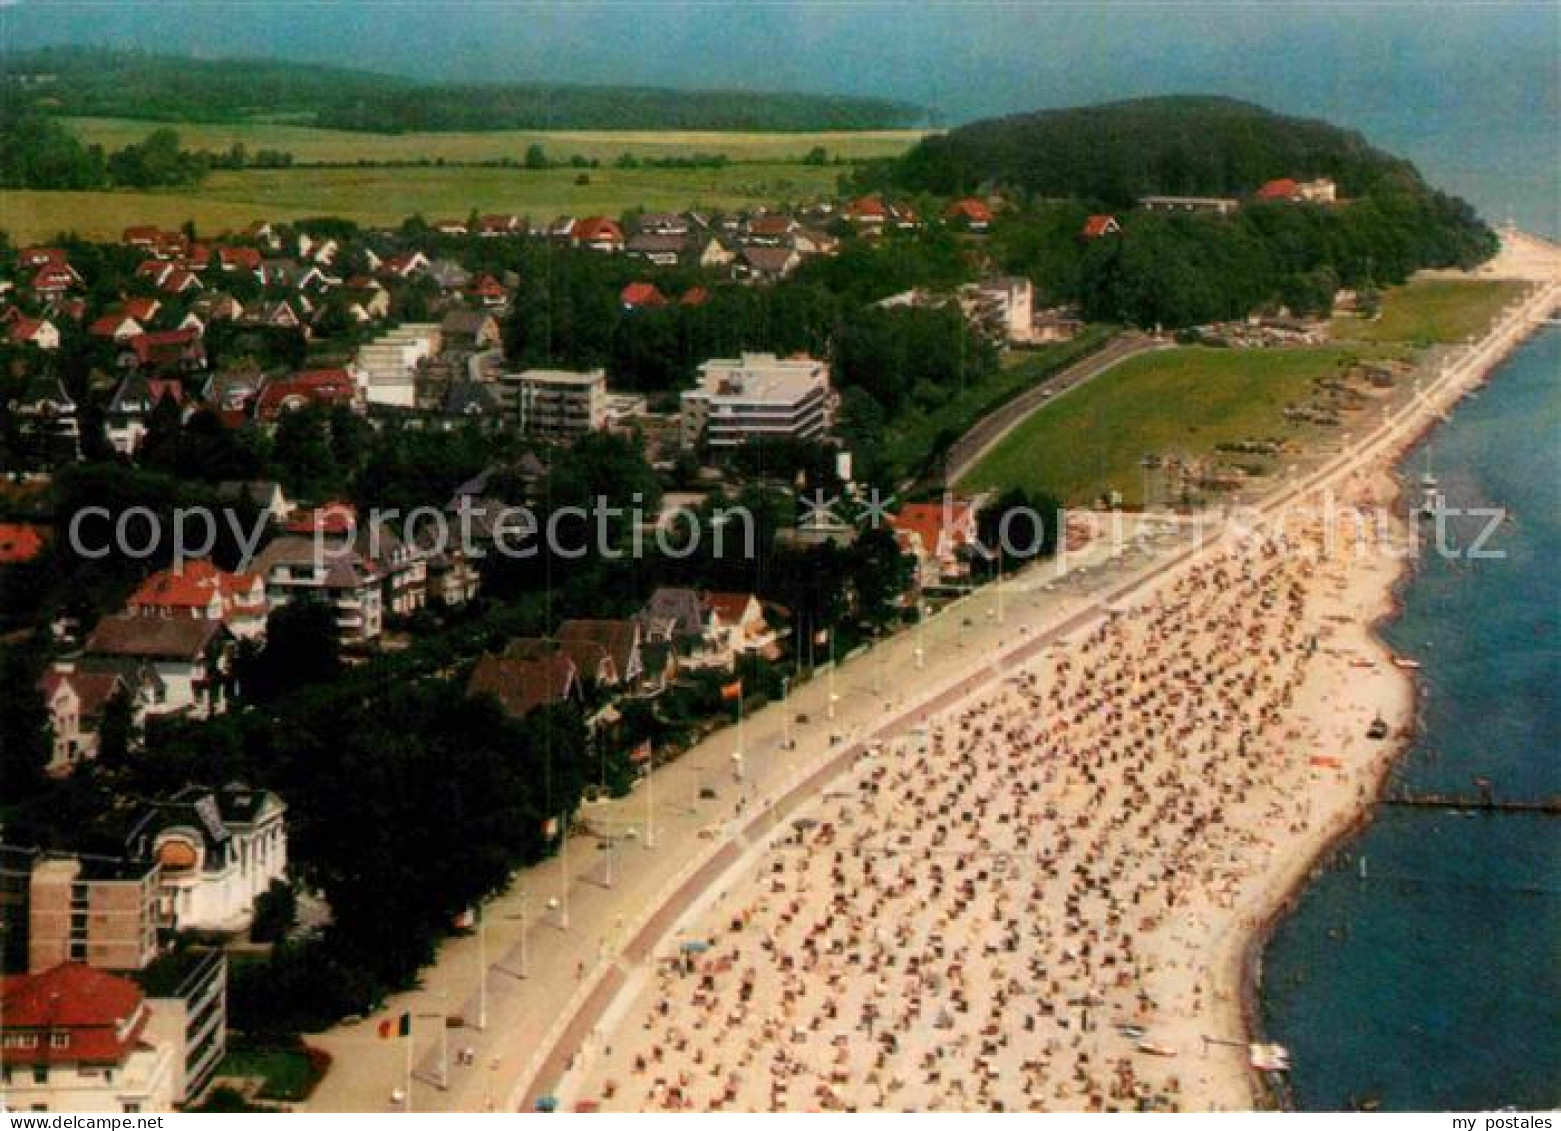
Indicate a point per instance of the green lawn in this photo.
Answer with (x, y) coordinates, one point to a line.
(229, 200)
(1181, 401)
(289, 1075)
(311, 145)
(1432, 310)
(917, 432)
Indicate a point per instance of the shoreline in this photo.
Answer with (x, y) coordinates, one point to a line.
(535, 1032)
(1240, 950)
(1274, 1087)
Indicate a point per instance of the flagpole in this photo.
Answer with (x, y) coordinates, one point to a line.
(408, 1039)
(831, 708)
(564, 848)
(650, 799)
(482, 968)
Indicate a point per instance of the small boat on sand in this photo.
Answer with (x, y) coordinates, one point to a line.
(1154, 1049)
(1407, 664)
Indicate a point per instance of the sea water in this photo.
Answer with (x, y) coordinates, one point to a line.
(1434, 982)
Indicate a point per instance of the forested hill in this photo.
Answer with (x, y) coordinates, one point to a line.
(1119, 151)
(129, 84)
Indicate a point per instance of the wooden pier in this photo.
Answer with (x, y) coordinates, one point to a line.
(1482, 802)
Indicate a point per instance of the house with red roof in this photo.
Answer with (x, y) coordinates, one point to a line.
(326, 387)
(638, 296)
(487, 291)
(54, 280)
(597, 233)
(969, 213)
(116, 325)
(142, 309)
(1100, 225)
(489, 227)
(179, 280)
(199, 590)
(1288, 190)
(936, 535)
(406, 265)
(239, 259)
(82, 1040)
(739, 618)
(37, 332)
(21, 542)
(165, 351)
(694, 296)
(31, 258)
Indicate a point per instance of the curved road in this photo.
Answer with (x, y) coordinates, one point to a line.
(990, 430)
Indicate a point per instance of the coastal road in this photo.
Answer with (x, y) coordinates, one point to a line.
(990, 430)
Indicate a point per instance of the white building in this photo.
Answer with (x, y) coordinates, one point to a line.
(217, 849)
(1005, 304)
(756, 396)
(557, 404)
(386, 368)
(76, 1039)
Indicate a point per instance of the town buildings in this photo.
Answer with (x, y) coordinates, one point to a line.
(557, 404)
(756, 396)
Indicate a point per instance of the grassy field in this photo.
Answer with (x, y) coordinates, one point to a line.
(915, 434)
(310, 145)
(289, 1075)
(1432, 310)
(1181, 401)
(229, 200)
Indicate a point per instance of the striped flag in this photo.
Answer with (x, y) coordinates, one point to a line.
(640, 753)
(733, 690)
(396, 1027)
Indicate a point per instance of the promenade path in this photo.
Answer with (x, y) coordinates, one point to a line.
(624, 895)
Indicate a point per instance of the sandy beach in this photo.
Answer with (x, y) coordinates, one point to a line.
(1028, 877)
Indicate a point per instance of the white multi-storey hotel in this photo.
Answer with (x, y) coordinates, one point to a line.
(756, 396)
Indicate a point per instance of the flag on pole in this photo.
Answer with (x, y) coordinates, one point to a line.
(733, 690)
(640, 753)
(396, 1027)
(550, 828)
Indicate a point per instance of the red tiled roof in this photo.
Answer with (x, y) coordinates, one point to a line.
(240, 258)
(970, 210)
(1281, 188)
(1097, 226)
(594, 228)
(730, 607)
(329, 518)
(868, 208)
(192, 587)
(89, 1004)
(523, 683)
(926, 521)
(695, 296)
(141, 309)
(313, 386)
(486, 285)
(642, 294)
(23, 328)
(20, 542)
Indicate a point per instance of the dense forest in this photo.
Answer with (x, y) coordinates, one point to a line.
(1119, 151)
(128, 84)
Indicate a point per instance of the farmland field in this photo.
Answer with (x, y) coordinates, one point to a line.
(310, 145)
(1180, 401)
(229, 200)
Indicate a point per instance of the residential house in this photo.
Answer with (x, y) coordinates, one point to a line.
(191, 657)
(665, 249)
(1003, 305)
(21, 543)
(75, 701)
(165, 352)
(681, 619)
(1289, 190)
(739, 617)
(55, 280)
(350, 583)
(469, 330)
(84, 1041)
(217, 851)
(767, 264)
(46, 414)
(328, 387)
(490, 227)
(243, 259)
(1099, 226)
(405, 265)
(618, 640)
(530, 679)
(487, 292)
(199, 590)
(640, 296)
(39, 333)
(596, 233)
(386, 368)
(968, 213)
(938, 535)
(130, 410)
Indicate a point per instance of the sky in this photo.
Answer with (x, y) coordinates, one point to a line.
(1470, 90)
